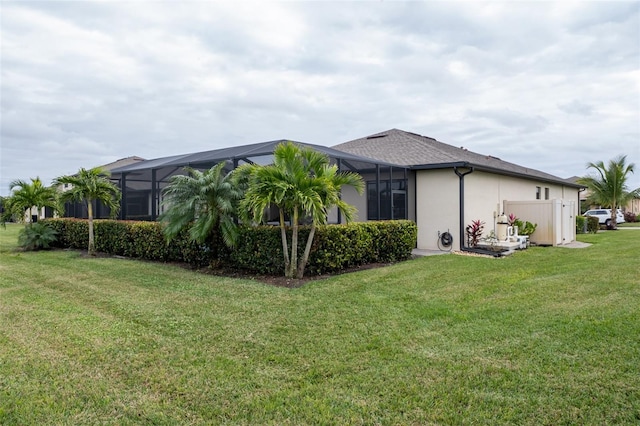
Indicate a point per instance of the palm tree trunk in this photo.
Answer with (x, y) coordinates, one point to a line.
(283, 233)
(290, 272)
(92, 247)
(307, 250)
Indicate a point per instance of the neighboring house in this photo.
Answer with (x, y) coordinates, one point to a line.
(583, 195)
(79, 209)
(448, 187)
(408, 176)
(633, 206)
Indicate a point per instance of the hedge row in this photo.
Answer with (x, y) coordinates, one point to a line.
(335, 247)
(142, 240)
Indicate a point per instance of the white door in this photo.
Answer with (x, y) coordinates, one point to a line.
(568, 221)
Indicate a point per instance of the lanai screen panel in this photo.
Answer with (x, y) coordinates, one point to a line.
(142, 183)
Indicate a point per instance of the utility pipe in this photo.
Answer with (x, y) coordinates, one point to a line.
(461, 175)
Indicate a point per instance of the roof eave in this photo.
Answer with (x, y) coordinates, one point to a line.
(480, 167)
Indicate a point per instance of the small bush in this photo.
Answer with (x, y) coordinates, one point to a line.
(37, 236)
(474, 232)
(630, 217)
(581, 224)
(593, 224)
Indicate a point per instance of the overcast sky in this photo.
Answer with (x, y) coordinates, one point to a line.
(547, 85)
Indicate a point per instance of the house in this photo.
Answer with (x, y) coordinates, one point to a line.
(448, 187)
(633, 206)
(408, 176)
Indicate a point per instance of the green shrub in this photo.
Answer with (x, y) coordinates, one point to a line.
(396, 240)
(525, 227)
(335, 247)
(593, 224)
(581, 224)
(630, 217)
(37, 236)
(259, 249)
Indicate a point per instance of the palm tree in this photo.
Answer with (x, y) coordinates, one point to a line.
(609, 187)
(25, 196)
(301, 183)
(88, 186)
(202, 202)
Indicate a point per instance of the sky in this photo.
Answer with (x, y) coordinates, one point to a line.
(546, 85)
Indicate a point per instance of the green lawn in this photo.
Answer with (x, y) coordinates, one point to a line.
(546, 336)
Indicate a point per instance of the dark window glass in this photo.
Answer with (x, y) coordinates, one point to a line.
(392, 200)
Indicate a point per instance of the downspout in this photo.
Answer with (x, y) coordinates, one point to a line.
(461, 203)
(580, 205)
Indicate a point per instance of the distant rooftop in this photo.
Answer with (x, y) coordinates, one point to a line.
(122, 162)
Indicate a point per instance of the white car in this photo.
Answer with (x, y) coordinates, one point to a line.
(604, 216)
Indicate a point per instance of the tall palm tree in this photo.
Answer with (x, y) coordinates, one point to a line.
(609, 187)
(202, 202)
(88, 186)
(25, 196)
(301, 183)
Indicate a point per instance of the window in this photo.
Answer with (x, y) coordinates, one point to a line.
(392, 202)
(546, 193)
(538, 192)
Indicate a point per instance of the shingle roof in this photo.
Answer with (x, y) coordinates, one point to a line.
(121, 162)
(422, 152)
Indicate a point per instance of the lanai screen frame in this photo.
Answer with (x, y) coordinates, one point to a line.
(149, 177)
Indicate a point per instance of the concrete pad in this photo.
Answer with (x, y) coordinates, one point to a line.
(575, 244)
(420, 252)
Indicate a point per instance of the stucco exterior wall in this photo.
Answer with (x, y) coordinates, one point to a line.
(437, 210)
(437, 201)
(351, 196)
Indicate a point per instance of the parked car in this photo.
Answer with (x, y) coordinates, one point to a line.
(604, 216)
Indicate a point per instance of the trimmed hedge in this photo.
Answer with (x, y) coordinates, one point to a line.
(593, 224)
(142, 240)
(335, 247)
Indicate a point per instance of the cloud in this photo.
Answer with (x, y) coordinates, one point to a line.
(576, 107)
(86, 83)
(516, 121)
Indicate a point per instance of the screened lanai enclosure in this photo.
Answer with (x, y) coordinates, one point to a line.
(385, 194)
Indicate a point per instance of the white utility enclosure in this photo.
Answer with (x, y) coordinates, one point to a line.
(556, 219)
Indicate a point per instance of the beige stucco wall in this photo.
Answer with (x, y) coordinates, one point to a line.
(437, 199)
(351, 196)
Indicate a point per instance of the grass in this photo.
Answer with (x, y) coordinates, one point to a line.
(629, 225)
(546, 336)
